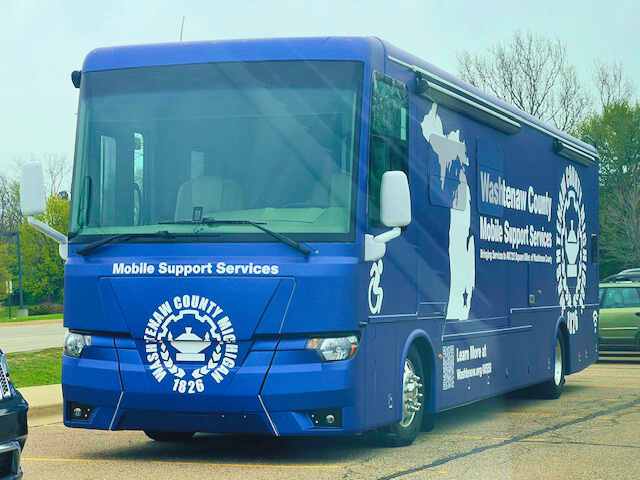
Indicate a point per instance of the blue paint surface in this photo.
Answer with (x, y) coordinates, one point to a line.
(274, 381)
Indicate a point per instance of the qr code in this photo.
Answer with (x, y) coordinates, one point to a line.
(448, 367)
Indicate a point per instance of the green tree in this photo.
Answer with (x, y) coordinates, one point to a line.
(43, 269)
(10, 216)
(5, 270)
(616, 132)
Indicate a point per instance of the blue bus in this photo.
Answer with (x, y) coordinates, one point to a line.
(313, 236)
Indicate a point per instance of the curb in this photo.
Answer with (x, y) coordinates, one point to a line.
(25, 323)
(44, 401)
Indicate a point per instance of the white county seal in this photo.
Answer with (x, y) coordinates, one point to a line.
(571, 248)
(191, 339)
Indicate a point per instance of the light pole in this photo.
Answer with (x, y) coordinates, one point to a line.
(16, 234)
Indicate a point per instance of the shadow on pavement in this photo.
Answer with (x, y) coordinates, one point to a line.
(247, 449)
(310, 450)
(571, 388)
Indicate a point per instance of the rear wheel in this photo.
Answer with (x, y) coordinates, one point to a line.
(169, 436)
(552, 388)
(406, 430)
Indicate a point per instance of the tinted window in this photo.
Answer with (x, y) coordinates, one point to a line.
(388, 142)
(270, 142)
(138, 176)
(622, 297)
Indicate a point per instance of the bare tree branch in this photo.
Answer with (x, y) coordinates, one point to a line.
(612, 83)
(56, 169)
(532, 73)
(622, 213)
(10, 216)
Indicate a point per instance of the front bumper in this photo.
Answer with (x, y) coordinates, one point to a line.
(272, 393)
(13, 435)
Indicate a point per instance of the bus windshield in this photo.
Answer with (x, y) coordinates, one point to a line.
(274, 142)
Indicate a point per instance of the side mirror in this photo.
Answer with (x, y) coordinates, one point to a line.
(76, 77)
(33, 202)
(32, 199)
(395, 212)
(395, 199)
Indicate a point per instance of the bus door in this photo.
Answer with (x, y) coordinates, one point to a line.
(392, 295)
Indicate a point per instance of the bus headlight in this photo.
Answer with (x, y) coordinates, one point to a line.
(334, 348)
(74, 343)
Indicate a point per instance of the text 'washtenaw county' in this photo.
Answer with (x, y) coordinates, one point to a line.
(499, 193)
(184, 270)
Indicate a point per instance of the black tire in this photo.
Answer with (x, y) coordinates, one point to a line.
(169, 436)
(406, 430)
(428, 423)
(552, 388)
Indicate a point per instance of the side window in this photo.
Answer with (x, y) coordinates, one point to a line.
(601, 295)
(594, 249)
(631, 297)
(622, 297)
(107, 180)
(388, 145)
(138, 177)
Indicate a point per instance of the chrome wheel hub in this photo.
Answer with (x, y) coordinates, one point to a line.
(557, 370)
(411, 395)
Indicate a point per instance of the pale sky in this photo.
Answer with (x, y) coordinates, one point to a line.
(44, 40)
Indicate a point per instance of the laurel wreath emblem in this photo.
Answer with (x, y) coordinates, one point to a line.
(189, 339)
(171, 367)
(211, 364)
(571, 194)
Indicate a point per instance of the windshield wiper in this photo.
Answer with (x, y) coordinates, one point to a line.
(90, 247)
(304, 249)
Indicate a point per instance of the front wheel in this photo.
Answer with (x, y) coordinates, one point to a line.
(406, 430)
(552, 388)
(169, 436)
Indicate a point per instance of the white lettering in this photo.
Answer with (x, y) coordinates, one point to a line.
(500, 194)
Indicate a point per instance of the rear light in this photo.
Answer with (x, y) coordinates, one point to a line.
(332, 349)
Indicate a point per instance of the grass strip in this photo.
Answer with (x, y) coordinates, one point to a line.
(41, 367)
(31, 318)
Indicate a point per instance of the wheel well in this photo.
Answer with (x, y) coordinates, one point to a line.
(562, 328)
(427, 358)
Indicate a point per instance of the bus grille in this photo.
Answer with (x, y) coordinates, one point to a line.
(6, 464)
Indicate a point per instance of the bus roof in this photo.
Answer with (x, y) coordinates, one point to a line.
(317, 48)
(313, 48)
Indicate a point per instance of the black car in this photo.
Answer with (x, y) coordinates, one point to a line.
(13, 425)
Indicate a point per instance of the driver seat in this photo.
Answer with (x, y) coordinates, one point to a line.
(213, 194)
(332, 191)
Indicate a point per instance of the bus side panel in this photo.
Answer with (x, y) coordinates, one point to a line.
(505, 269)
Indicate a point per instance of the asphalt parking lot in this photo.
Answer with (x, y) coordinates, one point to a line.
(592, 431)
